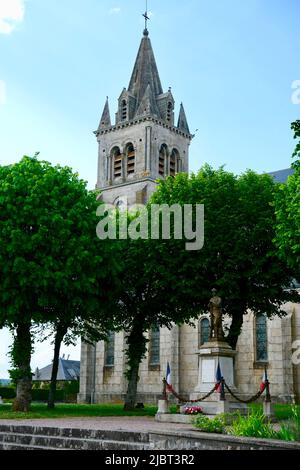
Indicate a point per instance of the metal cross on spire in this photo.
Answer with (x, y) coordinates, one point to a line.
(145, 15)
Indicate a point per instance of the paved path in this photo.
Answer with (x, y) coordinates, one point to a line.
(126, 423)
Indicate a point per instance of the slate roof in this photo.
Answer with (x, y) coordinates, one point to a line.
(145, 72)
(145, 95)
(281, 176)
(67, 370)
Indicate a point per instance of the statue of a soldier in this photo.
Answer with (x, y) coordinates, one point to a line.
(215, 308)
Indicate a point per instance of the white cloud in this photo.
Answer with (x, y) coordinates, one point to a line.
(11, 13)
(2, 92)
(113, 11)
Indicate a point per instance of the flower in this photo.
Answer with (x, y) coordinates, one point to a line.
(193, 410)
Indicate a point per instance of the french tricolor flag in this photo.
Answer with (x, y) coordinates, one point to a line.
(263, 381)
(218, 378)
(168, 378)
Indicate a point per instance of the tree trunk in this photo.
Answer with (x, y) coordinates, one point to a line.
(235, 327)
(136, 342)
(59, 336)
(21, 356)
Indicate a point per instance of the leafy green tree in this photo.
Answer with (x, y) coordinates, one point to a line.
(52, 265)
(239, 257)
(288, 212)
(162, 284)
(144, 300)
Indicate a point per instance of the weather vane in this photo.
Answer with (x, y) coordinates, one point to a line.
(145, 15)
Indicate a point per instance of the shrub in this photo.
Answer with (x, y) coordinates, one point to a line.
(42, 395)
(253, 425)
(214, 425)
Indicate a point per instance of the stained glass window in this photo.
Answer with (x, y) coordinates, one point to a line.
(204, 330)
(154, 346)
(110, 350)
(261, 338)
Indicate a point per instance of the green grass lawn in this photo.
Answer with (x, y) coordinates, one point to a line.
(62, 410)
(282, 411)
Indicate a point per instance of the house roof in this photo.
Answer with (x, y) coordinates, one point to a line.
(281, 176)
(67, 370)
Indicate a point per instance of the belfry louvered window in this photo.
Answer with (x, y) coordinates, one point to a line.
(130, 152)
(124, 110)
(174, 162)
(117, 162)
(169, 112)
(162, 159)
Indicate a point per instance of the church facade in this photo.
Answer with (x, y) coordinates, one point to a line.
(145, 144)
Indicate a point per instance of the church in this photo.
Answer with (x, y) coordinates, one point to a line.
(146, 144)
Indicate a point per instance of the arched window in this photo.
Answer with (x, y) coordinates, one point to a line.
(169, 111)
(124, 110)
(163, 153)
(130, 154)
(154, 346)
(110, 350)
(261, 334)
(204, 331)
(117, 162)
(174, 162)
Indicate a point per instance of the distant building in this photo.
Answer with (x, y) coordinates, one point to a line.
(67, 371)
(281, 176)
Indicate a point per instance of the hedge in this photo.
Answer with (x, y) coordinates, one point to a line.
(42, 395)
(7, 392)
(37, 395)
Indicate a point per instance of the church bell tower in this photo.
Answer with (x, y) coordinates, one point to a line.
(144, 144)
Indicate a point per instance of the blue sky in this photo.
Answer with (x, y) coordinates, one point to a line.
(231, 62)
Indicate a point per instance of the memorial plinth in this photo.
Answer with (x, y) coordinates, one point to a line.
(211, 354)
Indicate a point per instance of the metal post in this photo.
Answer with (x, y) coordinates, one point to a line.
(164, 393)
(222, 395)
(268, 395)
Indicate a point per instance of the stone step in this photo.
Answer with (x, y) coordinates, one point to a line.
(13, 446)
(116, 435)
(69, 442)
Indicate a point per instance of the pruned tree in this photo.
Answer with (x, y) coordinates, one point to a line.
(52, 266)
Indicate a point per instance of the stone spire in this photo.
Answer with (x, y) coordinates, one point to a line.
(105, 120)
(145, 72)
(148, 105)
(182, 120)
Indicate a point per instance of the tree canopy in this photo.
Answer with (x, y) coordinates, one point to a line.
(52, 265)
(288, 212)
(239, 257)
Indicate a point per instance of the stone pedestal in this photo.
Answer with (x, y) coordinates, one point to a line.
(210, 354)
(268, 409)
(163, 407)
